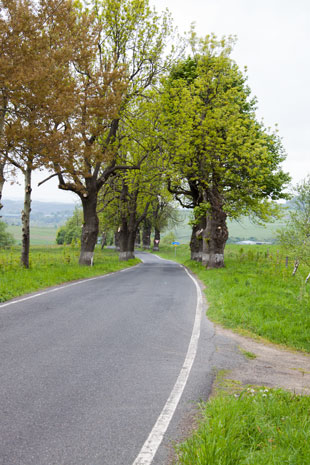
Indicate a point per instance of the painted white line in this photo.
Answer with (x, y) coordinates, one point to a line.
(60, 287)
(155, 438)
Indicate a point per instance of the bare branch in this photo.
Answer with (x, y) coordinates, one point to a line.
(49, 177)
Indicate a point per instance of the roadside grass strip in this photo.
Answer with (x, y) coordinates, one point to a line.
(50, 266)
(256, 293)
(254, 426)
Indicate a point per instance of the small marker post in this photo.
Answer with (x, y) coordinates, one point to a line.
(175, 243)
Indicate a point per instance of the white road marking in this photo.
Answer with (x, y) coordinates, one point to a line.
(155, 438)
(60, 287)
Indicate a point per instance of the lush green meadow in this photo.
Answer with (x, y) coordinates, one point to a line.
(49, 266)
(256, 293)
(38, 235)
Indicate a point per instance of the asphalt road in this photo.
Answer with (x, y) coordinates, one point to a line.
(87, 369)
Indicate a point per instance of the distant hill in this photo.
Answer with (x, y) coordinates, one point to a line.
(49, 214)
(241, 230)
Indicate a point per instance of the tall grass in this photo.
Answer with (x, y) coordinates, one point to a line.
(256, 292)
(49, 266)
(255, 427)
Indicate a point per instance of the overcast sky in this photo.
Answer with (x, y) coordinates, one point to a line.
(273, 42)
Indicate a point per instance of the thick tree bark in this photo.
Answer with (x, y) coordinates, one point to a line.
(117, 236)
(215, 233)
(196, 242)
(138, 238)
(146, 234)
(90, 228)
(156, 239)
(26, 219)
(127, 242)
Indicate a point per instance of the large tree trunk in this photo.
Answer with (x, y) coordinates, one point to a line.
(127, 242)
(26, 220)
(117, 236)
(146, 234)
(138, 238)
(215, 233)
(196, 243)
(156, 239)
(90, 228)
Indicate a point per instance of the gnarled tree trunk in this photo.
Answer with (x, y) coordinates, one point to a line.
(196, 242)
(156, 239)
(215, 233)
(138, 238)
(26, 219)
(117, 237)
(146, 234)
(127, 242)
(90, 228)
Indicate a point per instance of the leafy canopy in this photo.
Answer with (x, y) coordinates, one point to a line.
(212, 137)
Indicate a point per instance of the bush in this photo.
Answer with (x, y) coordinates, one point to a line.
(6, 238)
(72, 229)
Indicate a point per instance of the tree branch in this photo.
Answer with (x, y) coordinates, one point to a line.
(49, 177)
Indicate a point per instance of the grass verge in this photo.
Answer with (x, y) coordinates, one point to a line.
(250, 426)
(50, 266)
(256, 293)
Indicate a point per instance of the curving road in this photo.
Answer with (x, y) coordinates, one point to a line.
(86, 369)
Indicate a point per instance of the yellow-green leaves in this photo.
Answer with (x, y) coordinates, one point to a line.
(211, 132)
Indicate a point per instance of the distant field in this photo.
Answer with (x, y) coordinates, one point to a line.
(245, 230)
(241, 230)
(38, 235)
(238, 230)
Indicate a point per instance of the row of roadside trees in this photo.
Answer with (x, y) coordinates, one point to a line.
(96, 96)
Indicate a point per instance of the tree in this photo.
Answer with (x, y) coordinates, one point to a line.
(128, 196)
(128, 45)
(163, 214)
(295, 237)
(35, 48)
(221, 157)
(6, 238)
(72, 229)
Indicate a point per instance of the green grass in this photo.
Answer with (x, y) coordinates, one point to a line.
(38, 235)
(254, 426)
(50, 266)
(255, 292)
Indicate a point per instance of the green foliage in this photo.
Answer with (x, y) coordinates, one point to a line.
(257, 426)
(295, 237)
(213, 139)
(6, 238)
(71, 231)
(168, 238)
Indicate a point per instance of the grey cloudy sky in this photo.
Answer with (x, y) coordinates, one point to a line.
(273, 42)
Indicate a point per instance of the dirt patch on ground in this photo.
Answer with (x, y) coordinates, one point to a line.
(272, 367)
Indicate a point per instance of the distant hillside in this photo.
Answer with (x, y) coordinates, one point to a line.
(48, 214)
(241, 230)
